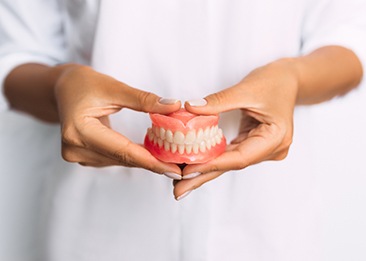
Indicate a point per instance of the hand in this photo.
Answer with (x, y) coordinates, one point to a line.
(85, 99)
(266, 98)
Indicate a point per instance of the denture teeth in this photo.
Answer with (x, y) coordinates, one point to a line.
(156, 131)
(196, 147)
(189, 148)
(202, 147)
(208, 144)
(206, 133)
(212, 132)
(178, 138)
(217, 139)
(190, 137)
(199, 137)
(192, 142)
(213, 142)
(166, 145)
(162, 133)
(181, 149)
(160, 143)
(150, 134)
(220, 133)
(169, 136)
(216, 129)
(173, 147)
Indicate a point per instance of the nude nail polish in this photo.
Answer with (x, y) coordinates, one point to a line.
(185, 194)
(191, 175)
(173, 175)
(168, 101)
(197, 102)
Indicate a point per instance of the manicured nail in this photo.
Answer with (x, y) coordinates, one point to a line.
(185, 194)
(168, 101)
(197, 102)
(173, 175)
(191, 175)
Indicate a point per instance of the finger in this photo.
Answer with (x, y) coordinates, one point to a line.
(146, 101)
(225, 100)
(260, 145)
(114, 145)
(183, 187)
(87, 157)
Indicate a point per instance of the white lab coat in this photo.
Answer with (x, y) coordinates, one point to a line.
(307, 207)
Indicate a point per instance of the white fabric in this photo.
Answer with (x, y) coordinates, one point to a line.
(307, 207)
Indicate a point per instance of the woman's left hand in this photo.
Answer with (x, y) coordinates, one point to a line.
(266, 98)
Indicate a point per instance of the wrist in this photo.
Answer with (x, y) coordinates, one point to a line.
(31, 84)
(286, 74)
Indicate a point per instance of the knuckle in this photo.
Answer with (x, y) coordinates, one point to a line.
(242, 165)
(282, 155)
(286, 141)
(70, 136)
(217, 98)
(68, 155)
(145, 99)
(214, 168)
(123, 158)
(284, 136)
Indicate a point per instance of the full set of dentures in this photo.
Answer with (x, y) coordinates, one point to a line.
(183, 137)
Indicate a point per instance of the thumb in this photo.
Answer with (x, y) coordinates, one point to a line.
(226, 100)
(139, 100)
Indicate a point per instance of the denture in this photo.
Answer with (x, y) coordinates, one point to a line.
(183, 137)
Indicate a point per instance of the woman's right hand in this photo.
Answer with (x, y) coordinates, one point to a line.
(85, 99)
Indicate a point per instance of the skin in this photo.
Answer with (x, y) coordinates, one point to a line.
(83, 112)
(266, 97)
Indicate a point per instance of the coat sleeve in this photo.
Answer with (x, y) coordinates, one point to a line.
(336, 22)
(30, 32)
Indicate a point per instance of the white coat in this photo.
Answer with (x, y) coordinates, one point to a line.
(311, 206)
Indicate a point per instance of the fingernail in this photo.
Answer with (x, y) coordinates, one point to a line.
(173, 175)
(168, 101)
(197, 102)
(191, 175)
(185, 194)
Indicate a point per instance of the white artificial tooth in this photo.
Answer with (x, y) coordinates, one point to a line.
(202, 147)
(217, 139)
(155, 140)
(181, 149)
(166, 145)
(220, 133)
(212, 131)
(189, 148)
(190, 137)
(213, 142)
(207, 133)
(208, 144)
(173, 147)
(199, 137)
(160, 143)
(156, 131)
(162, 133)
(178, 137)
(196, 148)
(216, 129)
(150, 134)
(169, 136)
